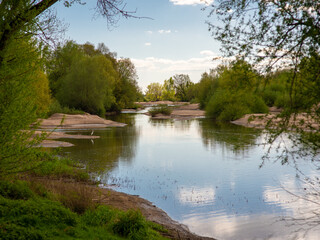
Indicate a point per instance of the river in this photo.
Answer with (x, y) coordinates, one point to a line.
(205, 175)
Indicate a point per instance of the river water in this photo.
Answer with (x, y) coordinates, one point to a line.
(203, 174)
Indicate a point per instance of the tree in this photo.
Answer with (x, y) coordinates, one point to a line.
(267, 29)
(168, 90)
(60, 62)
(181, 84)
(20, 105)
(126, 88)
(153, 92)
(19, 16)
(88, 85)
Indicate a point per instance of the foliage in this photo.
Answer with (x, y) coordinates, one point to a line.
(160, 109)
(27, 215)
(20, 104)
(92, 79)
(126, 90)
(181, 84)
(60, 168)
(276, 90)
(55, 107)
(88, 85)
(168, 90)
(154, 91)
(205, 88)
(230, 91)
(225, 105)
(267, 30)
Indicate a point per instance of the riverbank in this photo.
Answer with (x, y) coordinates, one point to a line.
(300, 121)
(181, 111)
(152, 213)
(60, 121)
(93, 195)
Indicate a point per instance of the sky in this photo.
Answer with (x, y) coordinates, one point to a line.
(175, 40)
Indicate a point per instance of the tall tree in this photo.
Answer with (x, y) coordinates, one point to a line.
(126, 89)
(153, 92)
(181, 84)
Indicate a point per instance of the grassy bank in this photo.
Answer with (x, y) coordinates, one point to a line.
(52, 203)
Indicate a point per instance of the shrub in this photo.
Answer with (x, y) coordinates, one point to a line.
(101, 216)
(131, 224)
(160, 109)
(15, 190)
(225, 105)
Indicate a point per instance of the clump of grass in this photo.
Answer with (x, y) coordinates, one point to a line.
(61, 168)
(78, 197)
(160, 109)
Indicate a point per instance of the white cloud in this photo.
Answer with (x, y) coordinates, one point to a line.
(164, 31)
(191, 2)
(207, 53)
(154, 69)
(147, 44)
(149, 32)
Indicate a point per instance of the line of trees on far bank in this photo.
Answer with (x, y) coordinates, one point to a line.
(232, 90)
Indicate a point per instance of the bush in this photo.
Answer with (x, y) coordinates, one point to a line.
(225, 105)
(15, 190)
(160, 109)
(101, 216)
(131, 224)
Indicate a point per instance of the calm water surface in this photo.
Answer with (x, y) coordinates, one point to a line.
(204, 175)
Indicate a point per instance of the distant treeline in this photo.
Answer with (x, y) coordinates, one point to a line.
(232, 90)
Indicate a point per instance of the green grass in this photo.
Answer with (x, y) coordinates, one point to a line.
(60, 168)
(160, 109)
(26, 214)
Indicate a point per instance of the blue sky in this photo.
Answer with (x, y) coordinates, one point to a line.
(175, 41)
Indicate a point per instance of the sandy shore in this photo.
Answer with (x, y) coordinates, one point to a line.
(76, 122)
(184, 111)
(301, 121)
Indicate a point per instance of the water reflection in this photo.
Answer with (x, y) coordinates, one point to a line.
(103, 154)
(201, 173)
(232, 137)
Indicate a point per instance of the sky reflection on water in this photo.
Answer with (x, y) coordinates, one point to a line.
(202, 174)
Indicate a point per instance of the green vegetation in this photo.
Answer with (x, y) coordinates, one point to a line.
(92, 80)
(30, 211)
(176, 88)
(160, 109)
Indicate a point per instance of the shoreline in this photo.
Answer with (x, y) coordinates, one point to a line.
(151, 212)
